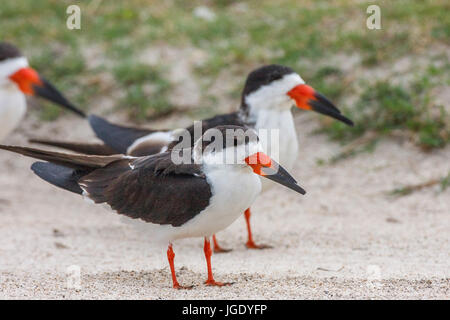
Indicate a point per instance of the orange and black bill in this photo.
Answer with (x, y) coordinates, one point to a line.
(268, 168)
(31, 83)
(309, 99)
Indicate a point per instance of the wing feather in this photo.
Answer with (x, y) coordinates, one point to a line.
(152, 189)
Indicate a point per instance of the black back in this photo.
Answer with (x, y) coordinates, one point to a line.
(155, 190)
(232, 119)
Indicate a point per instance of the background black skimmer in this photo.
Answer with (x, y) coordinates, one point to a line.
(267, 98)
(17, 79)
(195, 198)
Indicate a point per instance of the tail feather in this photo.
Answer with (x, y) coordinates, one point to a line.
(84, 148)
(75, 161)
(119, 138)
(60, 176)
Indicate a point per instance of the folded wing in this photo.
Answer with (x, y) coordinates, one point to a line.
(150, 188)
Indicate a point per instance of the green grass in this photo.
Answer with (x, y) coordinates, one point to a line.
(147, 90)
(443, 182)
(383, 108)
(302, 35)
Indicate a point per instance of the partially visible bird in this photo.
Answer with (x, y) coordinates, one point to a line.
(18, 79)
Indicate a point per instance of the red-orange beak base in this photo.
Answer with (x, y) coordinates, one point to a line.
(25, 79)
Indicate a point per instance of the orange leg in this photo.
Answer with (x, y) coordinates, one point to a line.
(170, 257)
(210, 281)
(250, 243)
(217, 248)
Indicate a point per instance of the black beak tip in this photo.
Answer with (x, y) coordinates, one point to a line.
(281, 176)
(324, 106)
(349, 122)
(301, 190)
(49, 92)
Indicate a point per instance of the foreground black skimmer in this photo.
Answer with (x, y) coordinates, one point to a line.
(195, 198)
(268, 96)
(17, 79)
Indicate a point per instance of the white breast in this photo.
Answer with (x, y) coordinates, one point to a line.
(233, 191)
(282, 147)
(12, 108)
(234, 188)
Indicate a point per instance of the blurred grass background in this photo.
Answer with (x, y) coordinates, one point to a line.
(153, 58)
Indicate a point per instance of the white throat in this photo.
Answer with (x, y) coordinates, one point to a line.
(269, 108)
(10, 66)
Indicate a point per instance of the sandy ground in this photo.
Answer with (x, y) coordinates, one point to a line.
(345, 239)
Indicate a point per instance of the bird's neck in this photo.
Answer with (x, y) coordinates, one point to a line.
(276, 131)
(12, 108)
(272, 117)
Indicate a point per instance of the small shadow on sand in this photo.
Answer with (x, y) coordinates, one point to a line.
(156, 280)
(4, 202)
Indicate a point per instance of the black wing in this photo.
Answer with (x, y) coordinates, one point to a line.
(63, 169)
(150, 188)
(114, 136)
(121, 138)
(60, 176)
(69, 160)
(98, 149)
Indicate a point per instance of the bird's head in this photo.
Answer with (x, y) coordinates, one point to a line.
(14, 68)
(276, 87)
(236, 146)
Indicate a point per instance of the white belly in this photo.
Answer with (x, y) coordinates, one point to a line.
(280, 141)
(12, 109)
(233, 191)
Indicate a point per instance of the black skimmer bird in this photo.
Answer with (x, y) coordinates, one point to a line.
(268, 96)
(18, 79)
(195, 198)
